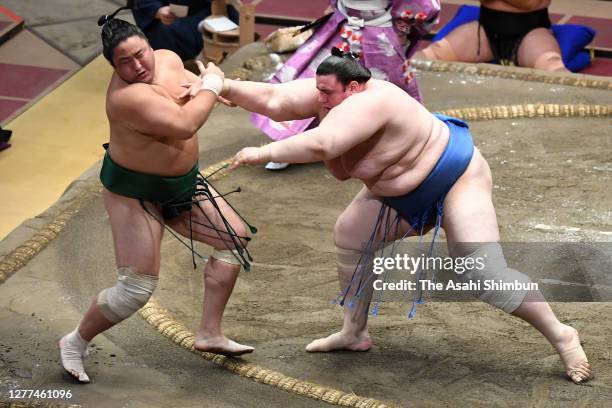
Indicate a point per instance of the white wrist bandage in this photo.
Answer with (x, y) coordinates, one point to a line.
(212, 82)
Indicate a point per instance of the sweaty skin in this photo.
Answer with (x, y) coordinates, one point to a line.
(378, 134)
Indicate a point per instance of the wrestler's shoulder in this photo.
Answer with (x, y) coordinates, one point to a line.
(379, 90)
(122, 89)
(168, 57)
(126, 94)
(379, 84)
(163, 53)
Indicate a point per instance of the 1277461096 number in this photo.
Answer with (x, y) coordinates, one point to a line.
(40, 394)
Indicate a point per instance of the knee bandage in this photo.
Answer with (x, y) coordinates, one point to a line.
(347, 258)
(490, 271)
(131, 292)
(230, 256)
(350, 258)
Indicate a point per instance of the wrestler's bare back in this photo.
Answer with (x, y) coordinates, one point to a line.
(516, 6)
(147, 152)
(403, 150)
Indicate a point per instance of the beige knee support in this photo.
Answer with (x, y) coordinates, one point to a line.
(347, 258)
(230, 256)
(490, 268)
(131, 292)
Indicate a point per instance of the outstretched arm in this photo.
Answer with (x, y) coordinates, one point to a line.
(353, 122)
(287, 101)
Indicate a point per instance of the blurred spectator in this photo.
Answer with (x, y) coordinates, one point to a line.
(513, 32)
(165, 30)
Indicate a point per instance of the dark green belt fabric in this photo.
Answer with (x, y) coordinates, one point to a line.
(160, 190)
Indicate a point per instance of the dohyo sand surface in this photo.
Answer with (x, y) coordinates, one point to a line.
(551, 184)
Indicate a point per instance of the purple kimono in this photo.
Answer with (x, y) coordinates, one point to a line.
(372, 34)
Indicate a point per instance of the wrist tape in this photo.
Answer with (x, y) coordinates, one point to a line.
(212, 82)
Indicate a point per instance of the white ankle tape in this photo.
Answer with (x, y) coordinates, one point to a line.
(73, 349)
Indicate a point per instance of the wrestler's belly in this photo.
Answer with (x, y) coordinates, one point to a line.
(527, 6)
(399, 185)
(406, 175)
(173, 158)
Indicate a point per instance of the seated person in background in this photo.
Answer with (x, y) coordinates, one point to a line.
(165, 30)
(513, 32)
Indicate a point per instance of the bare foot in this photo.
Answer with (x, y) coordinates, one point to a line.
(574, 359)
(221, 345)
(341, 341)
(72, 354)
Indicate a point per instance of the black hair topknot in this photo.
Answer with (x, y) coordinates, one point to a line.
(345, 66)
(115, 31)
